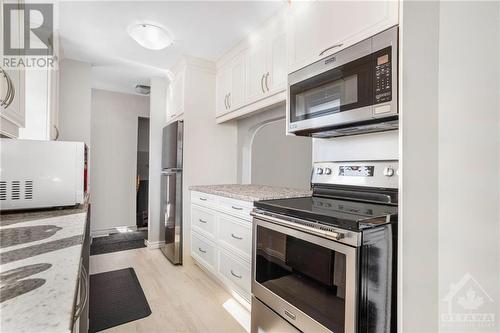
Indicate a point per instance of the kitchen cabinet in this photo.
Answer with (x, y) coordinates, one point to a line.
(221, 241)
(175, 95)
(230, 86)
(266, 70)
(252, 76)
(12, 84)
(320, 28)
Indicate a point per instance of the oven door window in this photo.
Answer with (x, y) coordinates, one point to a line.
(310, 277)
(341, 89)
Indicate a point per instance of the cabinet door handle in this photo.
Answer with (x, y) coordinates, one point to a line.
(262, 84)
(236, 237)
(267, 75)
(203, 199)
(229, 100)
(235, 275)
(237, 208)
(329, 48)
(202, 251)
(202, 221)
(225, 101)
(57, 133)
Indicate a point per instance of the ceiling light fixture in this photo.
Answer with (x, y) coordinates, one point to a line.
(150, 36)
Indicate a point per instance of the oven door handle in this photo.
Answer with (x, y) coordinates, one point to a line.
(315, 231)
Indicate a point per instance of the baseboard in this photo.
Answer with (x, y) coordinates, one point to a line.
(153, 245)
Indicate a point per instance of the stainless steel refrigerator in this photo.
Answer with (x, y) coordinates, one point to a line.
(171, 191)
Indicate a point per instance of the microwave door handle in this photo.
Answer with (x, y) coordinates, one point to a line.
(329, 48)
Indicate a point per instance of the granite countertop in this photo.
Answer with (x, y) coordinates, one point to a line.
(250, 192)
(40, 255)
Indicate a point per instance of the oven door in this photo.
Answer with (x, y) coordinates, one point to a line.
(309, 280)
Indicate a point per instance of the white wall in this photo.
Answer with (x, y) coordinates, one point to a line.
(450, 162)
(267, 156)
(113, 157)
(373, 146)
(418, 223)
(157, 120)
(210, 155)
(74, 101)
(469, 154)
(37, 117)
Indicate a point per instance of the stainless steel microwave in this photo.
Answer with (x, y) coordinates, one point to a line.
(353, 91)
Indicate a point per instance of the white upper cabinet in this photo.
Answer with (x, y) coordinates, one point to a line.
(256, 71)
(276, 64)
(320, 28)
(175, 95)
(230, 85)
(12, 84)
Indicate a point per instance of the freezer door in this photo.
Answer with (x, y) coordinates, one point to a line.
(172, 145)
(171, 215)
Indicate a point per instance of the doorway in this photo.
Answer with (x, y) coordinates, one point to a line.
(142, 179)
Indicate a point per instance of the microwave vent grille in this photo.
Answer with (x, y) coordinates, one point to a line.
(28, 190)
(3, 190)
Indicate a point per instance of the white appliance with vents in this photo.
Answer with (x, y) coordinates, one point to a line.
(41, 174)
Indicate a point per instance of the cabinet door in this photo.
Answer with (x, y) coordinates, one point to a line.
(256, 71)
(236, 95)
(177, 95)
(15, 111)
(276, 75)
(322, 28)
(222, 90)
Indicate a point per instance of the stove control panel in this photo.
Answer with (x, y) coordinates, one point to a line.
(358, 173)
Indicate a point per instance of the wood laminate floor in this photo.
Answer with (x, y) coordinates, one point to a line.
(182, 298)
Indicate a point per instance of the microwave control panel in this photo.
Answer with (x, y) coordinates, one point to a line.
(383, 74)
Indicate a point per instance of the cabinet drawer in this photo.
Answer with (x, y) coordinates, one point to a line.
(203, 251)
(203, 199)
(204, 220)
(235, 207)
(235, 271)
(236, 234)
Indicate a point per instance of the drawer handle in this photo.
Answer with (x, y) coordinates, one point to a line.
(202, 221)
(235, 275)
(236, 237)
(203, 199)
(199, 249)
(237, 208)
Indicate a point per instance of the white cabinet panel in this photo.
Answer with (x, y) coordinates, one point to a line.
(204, 251)
(235, 271)
(176, 95)
(321, 28)
(222, 88)
(277, 68)
(256, 72)
(236, 96)
(203, 220)
(236, 235)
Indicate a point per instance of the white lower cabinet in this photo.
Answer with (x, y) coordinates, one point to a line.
(221, 240)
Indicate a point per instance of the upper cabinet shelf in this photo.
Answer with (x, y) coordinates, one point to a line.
(252, 76)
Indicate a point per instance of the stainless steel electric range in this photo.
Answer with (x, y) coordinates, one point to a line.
(327, 263)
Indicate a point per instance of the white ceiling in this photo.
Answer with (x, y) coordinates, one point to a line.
(95, 32)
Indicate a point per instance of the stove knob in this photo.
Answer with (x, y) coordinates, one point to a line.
(328, 171)
(319, 171)
(389, 172)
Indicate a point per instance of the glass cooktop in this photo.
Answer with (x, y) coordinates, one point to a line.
(348, 214)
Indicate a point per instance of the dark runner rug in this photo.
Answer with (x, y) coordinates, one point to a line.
(118, 242)
(116, 298)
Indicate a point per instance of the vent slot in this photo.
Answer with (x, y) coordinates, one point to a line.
(28, 190)
(16, 190)
(3, 191)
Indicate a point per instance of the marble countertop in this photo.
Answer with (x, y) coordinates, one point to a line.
(250, 192)
(40, 255)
